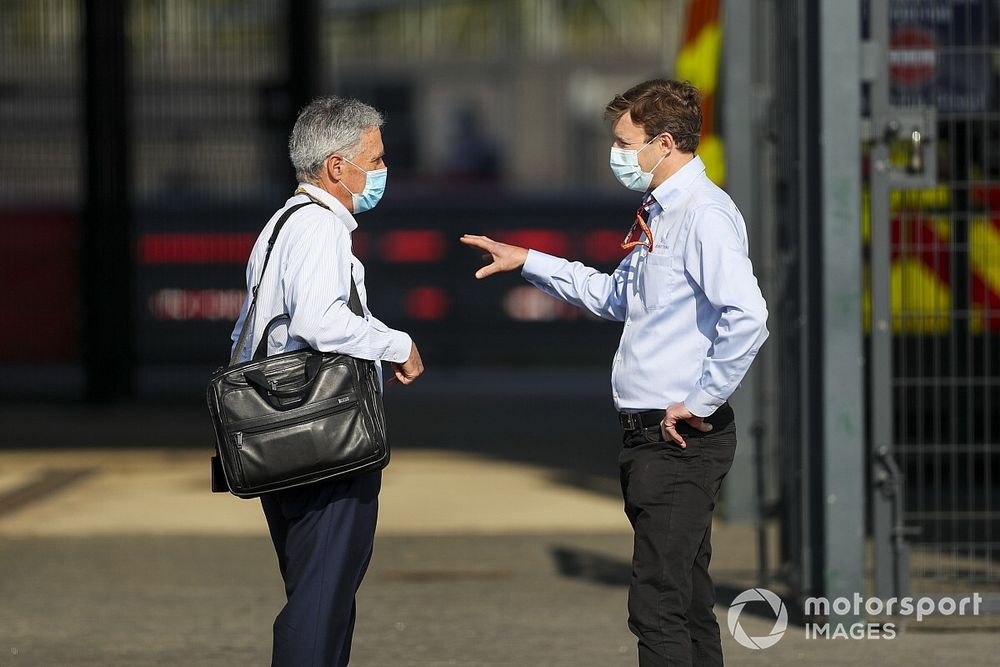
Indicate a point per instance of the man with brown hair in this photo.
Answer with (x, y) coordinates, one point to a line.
(694, 319)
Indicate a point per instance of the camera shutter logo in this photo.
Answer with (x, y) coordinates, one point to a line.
(780, 614)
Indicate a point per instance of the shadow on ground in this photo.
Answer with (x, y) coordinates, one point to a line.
(598, 567)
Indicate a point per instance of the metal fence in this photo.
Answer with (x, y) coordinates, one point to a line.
(934, 230)
(41, 157)
(930, 228)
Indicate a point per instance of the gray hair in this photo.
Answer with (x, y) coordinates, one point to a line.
(328, 125)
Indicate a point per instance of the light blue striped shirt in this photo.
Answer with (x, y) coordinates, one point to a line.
(693, 312)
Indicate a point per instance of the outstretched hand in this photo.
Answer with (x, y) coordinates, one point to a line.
(504, 257)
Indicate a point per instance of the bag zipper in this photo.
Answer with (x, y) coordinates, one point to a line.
(238, 435)
(239, 459)
(346, 403)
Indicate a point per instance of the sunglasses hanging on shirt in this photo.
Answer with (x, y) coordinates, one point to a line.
(640, 228)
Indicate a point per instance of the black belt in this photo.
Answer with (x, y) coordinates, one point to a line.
(632, 421)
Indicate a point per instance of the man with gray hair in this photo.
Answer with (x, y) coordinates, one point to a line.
(324, 533)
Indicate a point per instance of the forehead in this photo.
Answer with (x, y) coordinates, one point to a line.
(625, 128)
(371, 139)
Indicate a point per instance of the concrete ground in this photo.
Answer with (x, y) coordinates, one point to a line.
(122, 557)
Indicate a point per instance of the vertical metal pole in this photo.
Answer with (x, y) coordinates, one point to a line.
(107, 336)
(880, 359)
(842, 380)
(305, 55)
(763, 562)
(809, 167)
(305, 60)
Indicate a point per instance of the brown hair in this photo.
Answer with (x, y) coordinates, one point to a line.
(662, 105)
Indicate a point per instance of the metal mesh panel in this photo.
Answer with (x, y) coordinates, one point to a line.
(40, 178)
(499, 31)
(945, 293)
(39, 102)
(200, 73)
(209, 122)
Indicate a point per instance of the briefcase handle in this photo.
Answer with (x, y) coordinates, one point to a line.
(259, 381)
(261, 351)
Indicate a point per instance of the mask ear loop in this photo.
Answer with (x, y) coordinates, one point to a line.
(353, 194)
(347, 188)
(664, 157)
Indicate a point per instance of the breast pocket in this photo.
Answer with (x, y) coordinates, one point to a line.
(658, 280)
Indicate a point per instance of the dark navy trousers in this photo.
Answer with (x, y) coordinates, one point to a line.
(323, 535)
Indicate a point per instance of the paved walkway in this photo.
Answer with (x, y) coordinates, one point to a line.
(123, 558)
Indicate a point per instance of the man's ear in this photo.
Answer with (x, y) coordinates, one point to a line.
(334, 166)
(667, 142)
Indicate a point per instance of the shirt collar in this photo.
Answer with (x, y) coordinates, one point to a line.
(331, 203)
(674, 185)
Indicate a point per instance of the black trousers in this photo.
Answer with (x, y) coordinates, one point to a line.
(670, 494)
(323, 535)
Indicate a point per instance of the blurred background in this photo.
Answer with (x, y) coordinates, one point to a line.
(143, 146)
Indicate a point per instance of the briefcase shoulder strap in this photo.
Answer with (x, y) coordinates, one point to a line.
(354, 303)
(241, 341)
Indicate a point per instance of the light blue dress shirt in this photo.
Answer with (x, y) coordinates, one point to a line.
(693, 312)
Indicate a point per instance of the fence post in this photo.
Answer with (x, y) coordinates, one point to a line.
(843, 353)
(107, 328)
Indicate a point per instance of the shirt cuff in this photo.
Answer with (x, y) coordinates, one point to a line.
(702, 404)
(400, 346)
(539, 267)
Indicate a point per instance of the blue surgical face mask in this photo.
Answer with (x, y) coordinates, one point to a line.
(625, 166)
(374, 187)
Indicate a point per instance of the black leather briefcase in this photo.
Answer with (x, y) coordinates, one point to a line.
(298, 417)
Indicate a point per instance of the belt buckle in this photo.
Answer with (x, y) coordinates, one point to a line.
(630, 421)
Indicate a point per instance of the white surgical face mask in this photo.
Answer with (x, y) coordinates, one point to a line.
(374, 188)
(625, 166)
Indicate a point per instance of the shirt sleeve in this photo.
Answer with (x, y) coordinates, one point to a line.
(715, 256)
(317, 286)
(404, 342)
(601, 293)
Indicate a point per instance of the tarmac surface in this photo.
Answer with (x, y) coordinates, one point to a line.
(504, 545)
(131, 562)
